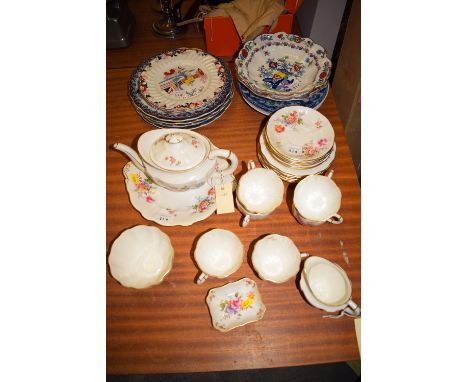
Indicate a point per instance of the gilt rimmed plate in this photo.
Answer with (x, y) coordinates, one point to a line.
(297, 174)
(189, 107)
(300, 133)
(169, 208)
(235, 304)
(282, 66)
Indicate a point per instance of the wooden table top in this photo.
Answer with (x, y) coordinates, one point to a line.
(167, 328)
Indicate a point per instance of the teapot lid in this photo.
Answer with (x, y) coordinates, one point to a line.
(178, 151)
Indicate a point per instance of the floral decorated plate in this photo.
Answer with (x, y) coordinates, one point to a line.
(268, 107)
(169, 208)
(294, 172)
(235, 304)
(184, 92)
(189, 124)
(282, 66)
(300, 133)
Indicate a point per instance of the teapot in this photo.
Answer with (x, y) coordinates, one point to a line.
(179, 159)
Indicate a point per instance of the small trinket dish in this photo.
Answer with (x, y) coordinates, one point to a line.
(235, 304)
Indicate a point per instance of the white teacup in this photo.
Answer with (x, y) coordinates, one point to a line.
(259, 193)
(218, 253)
(317, 200)
(276, 258)
(327, 286)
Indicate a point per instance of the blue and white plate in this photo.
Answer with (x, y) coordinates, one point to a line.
(267, 106)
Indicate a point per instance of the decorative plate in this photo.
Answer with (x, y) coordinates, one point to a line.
(186, 121)
(300, 133)
(268, 107)
(298, 173)
(282, 66)
(171, 107)
(189, 124)
(235, 304)
(169, 208)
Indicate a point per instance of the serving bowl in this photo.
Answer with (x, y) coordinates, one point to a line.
(141, 256)
(283, 66)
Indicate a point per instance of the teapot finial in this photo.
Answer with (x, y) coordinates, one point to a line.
(174, 138)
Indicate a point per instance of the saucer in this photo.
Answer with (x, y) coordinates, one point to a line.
(235, 304)
(169, 208)
(296, 173)
(299, 133)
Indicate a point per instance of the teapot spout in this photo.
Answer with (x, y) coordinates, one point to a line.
(132, 154)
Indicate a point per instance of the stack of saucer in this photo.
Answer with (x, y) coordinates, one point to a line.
(280, 70)
(182, 88)
(296, 142)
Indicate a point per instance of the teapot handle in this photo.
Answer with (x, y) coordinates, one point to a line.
(228, 154)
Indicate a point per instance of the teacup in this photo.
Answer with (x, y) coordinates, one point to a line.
(141, 256)
(276, 258)
(259, 193)
(317, 200)
(327, 286)
(218, 253)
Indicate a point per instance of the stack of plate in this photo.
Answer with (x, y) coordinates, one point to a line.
(182, 88)
(296, 142)
(280, 70)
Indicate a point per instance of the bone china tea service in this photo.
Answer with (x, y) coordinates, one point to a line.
(173, 175)
(259, 192)
(317, 200)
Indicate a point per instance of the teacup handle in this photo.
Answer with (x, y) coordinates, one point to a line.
(246, 220)
(330, 174)
(335, 219)
(202, 278)
(304, 255)
(251, 165)
(228, 154)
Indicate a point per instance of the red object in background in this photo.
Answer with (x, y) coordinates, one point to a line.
(221, 36)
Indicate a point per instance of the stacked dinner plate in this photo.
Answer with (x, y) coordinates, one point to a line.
(280, 70)
(182, 88)
(296, 142)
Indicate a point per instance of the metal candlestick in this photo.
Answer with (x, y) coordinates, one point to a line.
(167, 25)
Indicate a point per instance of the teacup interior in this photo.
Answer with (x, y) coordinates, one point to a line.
(328, 284)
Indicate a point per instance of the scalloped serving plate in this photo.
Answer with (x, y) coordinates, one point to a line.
(181, 77)
(235, 304)
(169, 208)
